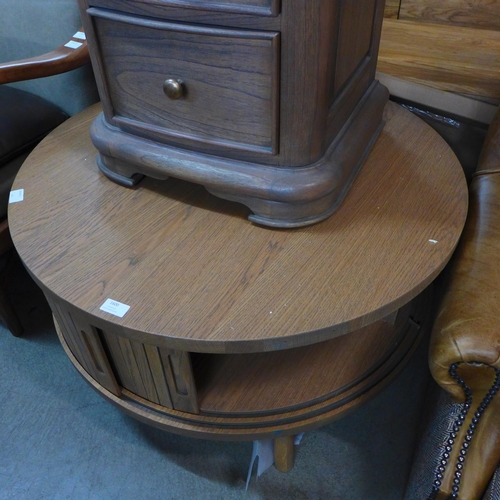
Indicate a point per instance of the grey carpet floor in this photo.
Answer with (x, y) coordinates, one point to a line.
(61, 440)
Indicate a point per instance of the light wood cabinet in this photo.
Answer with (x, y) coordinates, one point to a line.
(450, 45)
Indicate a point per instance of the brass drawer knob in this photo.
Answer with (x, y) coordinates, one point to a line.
(174, 89)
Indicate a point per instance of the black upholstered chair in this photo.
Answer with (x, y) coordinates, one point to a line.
(24, 120)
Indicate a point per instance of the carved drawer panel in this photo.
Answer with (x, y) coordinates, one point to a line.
(190, 85)
(258, 7)
(252, 7)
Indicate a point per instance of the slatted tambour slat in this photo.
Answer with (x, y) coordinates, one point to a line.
(144, 370)
(160, 375)
(135, 376)
(85, 343)
(177, 366)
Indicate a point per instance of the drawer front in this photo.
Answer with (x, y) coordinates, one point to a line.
(227, 82)
(258, 7)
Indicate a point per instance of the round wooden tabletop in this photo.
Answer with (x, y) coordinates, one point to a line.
(198, 274)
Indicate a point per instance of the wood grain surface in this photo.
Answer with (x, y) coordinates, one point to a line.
(451, 58)
(476, 14)
(199, 277)
(392, 9)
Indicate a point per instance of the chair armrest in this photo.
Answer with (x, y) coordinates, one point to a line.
(67, 57)
(467, 328)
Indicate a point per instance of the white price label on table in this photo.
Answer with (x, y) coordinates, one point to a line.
(72, 44)
(17, 195)
(115, 308)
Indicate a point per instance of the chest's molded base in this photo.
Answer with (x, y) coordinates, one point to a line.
(277, 196)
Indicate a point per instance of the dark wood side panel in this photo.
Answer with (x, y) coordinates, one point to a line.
(376, 34)
(230, 80)
(308, 44)
(346, 88)
(348, 99)
(355, 38)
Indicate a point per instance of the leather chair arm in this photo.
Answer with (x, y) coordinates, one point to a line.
(467, 331)
(467, 328)
(67, 57)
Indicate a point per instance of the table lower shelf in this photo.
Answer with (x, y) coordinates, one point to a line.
(241, 396)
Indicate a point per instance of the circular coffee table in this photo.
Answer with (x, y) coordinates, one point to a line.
(185, 315)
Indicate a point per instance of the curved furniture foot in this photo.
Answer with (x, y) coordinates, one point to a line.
(118, 171)
(279, 195)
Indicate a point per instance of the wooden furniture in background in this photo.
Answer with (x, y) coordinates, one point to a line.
(236, 331)
(465, 352)
(450, 45)
(24, 120)
(477, 14)
(391, 9)
(69, 56)
(271, 104)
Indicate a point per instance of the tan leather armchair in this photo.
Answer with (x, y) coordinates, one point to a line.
(464, 354)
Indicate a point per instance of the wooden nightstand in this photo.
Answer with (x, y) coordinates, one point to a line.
(271, 104)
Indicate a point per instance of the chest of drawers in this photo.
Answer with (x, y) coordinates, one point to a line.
(269, 103)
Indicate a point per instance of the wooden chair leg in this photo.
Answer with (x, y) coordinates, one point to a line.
(284, 453)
